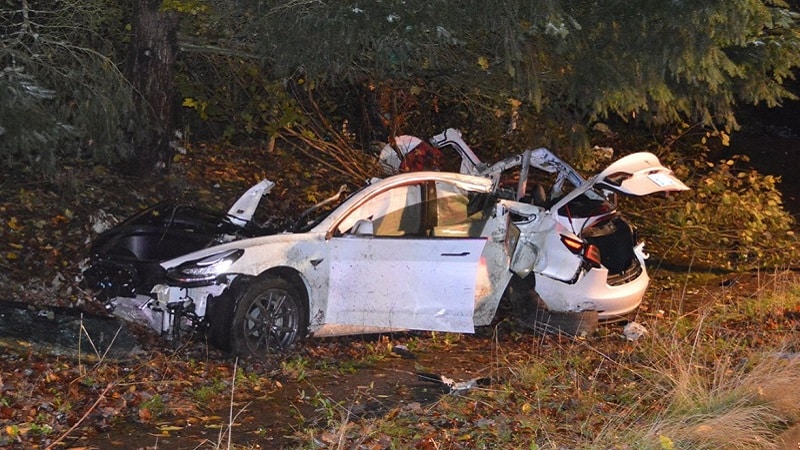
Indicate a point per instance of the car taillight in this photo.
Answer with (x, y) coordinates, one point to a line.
(590, 253)
(574, 245)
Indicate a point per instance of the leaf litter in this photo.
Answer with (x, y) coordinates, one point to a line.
(60, 394)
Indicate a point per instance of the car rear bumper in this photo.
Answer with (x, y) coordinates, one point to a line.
(593, 292)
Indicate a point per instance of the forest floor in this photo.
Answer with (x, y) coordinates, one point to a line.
(58, 388)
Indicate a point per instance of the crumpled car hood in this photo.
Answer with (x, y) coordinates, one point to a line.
(167, 231)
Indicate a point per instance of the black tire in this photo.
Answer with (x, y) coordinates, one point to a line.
(582, 323)
(528, 309)
(270, 317)
(219, 314)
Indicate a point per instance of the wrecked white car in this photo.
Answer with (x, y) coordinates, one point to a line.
(420, 250)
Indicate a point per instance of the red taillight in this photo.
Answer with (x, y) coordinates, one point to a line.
(574, 245)
(592, 254)
(589, 252)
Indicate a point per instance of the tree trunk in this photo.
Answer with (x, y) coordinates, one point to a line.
(152, 74)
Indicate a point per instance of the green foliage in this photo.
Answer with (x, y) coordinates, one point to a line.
(154, 406)
(235, 97)
(62, 95)
(208, 392)
(734, 217)
(677, 60)
(193, 7)
(296, 368)
(27, 125)
(570, 63)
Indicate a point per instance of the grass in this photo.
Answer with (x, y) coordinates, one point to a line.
(723, 374)
(718, 368)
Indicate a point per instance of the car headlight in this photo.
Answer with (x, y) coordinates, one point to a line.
(204, 270)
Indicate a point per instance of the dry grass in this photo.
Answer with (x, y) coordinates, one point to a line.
(713, 386)
(723, 374)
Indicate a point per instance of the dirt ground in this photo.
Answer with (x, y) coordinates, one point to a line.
(350, 378)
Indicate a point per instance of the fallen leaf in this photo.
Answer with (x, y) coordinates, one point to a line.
(145, 415)
(14, 225)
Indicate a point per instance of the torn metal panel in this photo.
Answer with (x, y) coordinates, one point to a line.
(244, 208)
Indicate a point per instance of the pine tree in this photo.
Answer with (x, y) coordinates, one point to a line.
(61, 93)
(659, 62)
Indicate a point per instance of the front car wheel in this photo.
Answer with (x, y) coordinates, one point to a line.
(270, 317)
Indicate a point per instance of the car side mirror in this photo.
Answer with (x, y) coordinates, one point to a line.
(363, 228)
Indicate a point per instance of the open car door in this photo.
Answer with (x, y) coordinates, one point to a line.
(407, 258)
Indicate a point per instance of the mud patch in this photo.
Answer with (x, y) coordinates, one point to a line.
(64, 332)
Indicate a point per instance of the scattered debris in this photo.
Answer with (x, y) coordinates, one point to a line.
(101, 221)
(453, 386)
(403, 352)
(634, 330)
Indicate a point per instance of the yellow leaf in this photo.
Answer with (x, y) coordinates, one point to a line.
(11, 256)
(12, 223)
(526, 408)
(209, 418)
(726, 139)
(483, 62)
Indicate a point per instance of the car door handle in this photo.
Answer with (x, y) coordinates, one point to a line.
(456, 254)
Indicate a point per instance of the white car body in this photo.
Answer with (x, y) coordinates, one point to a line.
(365, 267)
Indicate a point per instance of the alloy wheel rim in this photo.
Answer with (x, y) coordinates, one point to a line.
(271, 322)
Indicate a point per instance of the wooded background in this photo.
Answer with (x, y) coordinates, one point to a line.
(114, 82)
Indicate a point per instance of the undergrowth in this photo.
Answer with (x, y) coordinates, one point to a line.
(725, 374)
(733, 217)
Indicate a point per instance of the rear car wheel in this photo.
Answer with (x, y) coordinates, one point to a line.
(580, 323)
(270, 317)
(528, 309)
